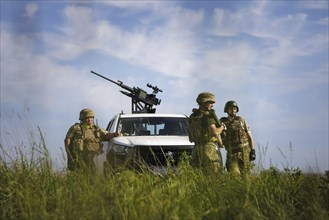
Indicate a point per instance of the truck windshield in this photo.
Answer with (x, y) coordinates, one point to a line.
(153, 126)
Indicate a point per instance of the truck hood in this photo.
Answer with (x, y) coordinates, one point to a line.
(132, 141)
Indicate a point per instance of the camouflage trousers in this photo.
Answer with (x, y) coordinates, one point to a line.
(238, 162)
(207, 157)
(81, 161)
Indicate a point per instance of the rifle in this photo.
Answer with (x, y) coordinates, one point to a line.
(212, 113)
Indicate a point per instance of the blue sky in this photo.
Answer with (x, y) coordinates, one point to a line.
(269, 56)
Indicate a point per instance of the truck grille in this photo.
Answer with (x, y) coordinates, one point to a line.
(161, 155)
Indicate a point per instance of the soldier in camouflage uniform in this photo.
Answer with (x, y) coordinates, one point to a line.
(83, 141)
(238, 141)
(204, 131)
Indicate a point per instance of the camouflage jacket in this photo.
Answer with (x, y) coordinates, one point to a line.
(198, 125)
(84, 138)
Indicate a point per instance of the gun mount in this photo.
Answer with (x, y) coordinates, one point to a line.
(141, 101)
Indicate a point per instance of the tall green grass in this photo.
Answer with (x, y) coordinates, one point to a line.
(31, 189)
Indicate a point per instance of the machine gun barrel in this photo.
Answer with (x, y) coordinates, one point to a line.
(119, 83)
(141, 101)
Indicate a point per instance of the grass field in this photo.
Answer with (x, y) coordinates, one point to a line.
(30, 188)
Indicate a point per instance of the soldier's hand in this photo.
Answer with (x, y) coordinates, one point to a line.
(224, 126)
(252, 155)
(116, 134)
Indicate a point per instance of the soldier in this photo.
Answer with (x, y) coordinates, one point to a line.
(237, 140)
(204, 131)
(83, 141)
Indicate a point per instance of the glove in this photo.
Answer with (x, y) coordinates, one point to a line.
(252, 155)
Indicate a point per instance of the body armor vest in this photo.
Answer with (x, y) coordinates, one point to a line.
(87, 138)
(236, 133)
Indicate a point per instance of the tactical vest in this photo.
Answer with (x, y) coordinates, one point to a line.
(86, 139)
(236, 133)
(198, 126)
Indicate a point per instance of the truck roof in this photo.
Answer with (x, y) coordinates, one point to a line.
(141, 115)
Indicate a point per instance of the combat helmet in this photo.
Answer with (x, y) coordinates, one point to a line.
(85, 113)
(231, 104)
(205, 97)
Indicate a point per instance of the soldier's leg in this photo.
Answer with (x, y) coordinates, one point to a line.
(220, 159)
(75, 162)
(245, 164)
(88, 162)
(233, 163)
(212, 158)
(71, 159)
(91, 162)
(227, 163)
(196, 157)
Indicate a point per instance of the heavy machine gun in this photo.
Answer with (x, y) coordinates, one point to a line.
(141, 101)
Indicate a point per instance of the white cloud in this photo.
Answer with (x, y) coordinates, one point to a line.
(277, 37)
(272, 43)
(141, 4)
(313, 44)
(221, 17)
(323, 21)
(30, 9)
(313, 4)
(167, 49)
(46, 84)
(173, 50)
(229, 23)
(230, 65)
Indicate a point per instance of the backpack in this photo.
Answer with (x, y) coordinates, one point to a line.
(198, 127)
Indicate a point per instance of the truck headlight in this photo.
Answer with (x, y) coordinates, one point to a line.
(121, 149)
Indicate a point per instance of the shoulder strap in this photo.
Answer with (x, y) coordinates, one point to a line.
(223, 119)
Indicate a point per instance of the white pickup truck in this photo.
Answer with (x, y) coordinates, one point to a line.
(149, 141)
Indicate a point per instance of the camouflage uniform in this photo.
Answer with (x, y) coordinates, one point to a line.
(236, 143)
(85, 143)
(205, 153)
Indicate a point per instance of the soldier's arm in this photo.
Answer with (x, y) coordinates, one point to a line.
(215, 131)
(67, 142)
(68, 138)
(112, 135)
(68, 149)
(109, 135)
(251, 140)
